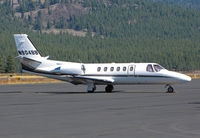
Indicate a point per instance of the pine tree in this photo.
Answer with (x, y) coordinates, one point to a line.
(10, 68)
(2, 66)
(46, 4)
(48, 24)
(30, 19)
(49, 10)
(38, 22)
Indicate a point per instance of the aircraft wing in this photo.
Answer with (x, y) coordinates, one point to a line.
(96, 80)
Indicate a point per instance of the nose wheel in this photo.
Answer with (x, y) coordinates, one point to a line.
(109, 88)
(170, 89)
(91, 88)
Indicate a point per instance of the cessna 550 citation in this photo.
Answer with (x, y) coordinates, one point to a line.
(108, 74)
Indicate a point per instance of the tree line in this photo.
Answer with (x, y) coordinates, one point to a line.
(125, 31)
(7, 65)
(182, 3)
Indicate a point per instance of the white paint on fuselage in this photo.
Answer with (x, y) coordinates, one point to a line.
(138, 75)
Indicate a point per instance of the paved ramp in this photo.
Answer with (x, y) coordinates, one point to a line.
(67, 111)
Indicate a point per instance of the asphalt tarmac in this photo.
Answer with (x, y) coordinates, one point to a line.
(67, 111)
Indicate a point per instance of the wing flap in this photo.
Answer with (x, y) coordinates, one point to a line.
(97, 80)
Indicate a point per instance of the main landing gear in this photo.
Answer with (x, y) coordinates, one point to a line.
(109, 88)
(170, 89)
(91, 88)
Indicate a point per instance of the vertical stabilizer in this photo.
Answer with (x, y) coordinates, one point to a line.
(25, 48)
(29, 57)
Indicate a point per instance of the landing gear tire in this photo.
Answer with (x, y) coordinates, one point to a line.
(91, 91)
(109, 88)
(170, 89)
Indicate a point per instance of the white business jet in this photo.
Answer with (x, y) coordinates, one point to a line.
(108, 74)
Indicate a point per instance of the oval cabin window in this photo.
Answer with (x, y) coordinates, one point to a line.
(99, 69)
(112, 68)
(124, 68)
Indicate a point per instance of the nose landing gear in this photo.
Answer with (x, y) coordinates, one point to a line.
(170, 89)
(91, 88)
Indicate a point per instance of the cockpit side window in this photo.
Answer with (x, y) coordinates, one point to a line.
(157, 68)
(149, 68)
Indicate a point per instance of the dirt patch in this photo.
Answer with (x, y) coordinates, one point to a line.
(6, 79)
(70, 31)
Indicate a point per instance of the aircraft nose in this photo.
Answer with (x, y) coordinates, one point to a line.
(181, 77)
(186, 78)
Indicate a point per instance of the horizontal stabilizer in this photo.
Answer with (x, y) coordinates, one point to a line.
(30, 59)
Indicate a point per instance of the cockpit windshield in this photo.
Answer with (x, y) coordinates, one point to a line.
(149, 68)
(157, 67)
(154, 68)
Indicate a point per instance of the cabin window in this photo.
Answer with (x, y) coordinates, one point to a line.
(131, 68)
(112, 68)
(99, 69)
(149, 68)
(118, 68)
(157, 68)
(105, 68)
(124, 68)
(29, 52)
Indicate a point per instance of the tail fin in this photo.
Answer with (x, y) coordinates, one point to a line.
(25, 48)
(28, 55)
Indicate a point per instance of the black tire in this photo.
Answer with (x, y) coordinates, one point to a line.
(170, 90)
(109, 88)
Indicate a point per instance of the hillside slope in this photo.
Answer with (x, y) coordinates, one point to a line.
(183, 3)
(112, 31)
